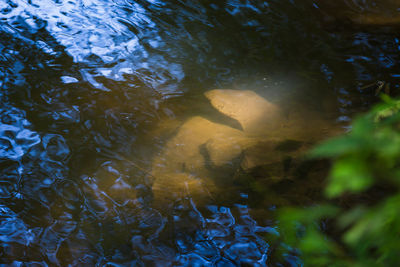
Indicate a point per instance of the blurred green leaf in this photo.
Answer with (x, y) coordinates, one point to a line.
(362, 127)
(349, 174)
(369, 234)
(336, 147)
(315, 241)
(352, 216)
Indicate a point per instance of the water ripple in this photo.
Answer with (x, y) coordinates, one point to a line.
(83, 85)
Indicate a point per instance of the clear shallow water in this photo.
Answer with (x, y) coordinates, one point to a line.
(91, 90)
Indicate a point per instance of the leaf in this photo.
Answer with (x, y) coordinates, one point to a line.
(362, 128)
(314, 242)
(369, 153)
(351, 216)
(349, 174)
(337, 147)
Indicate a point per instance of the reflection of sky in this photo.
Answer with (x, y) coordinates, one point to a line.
(107, 36)
(118, 39)
(15, 138)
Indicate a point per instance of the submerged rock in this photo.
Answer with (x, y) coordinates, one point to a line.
(181, 167)
(182, 152)
(222, 152)
(202, 158)
(266, 152)
(255, 114)
(262, 120)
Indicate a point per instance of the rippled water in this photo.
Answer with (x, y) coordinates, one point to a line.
(91, 90)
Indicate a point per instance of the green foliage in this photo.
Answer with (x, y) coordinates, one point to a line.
(363, 192)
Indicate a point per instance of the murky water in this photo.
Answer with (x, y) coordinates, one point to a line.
(93, 93)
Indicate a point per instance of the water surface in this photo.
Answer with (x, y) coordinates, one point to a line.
(92, 90)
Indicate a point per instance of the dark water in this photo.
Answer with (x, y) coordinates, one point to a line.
(84, 84)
